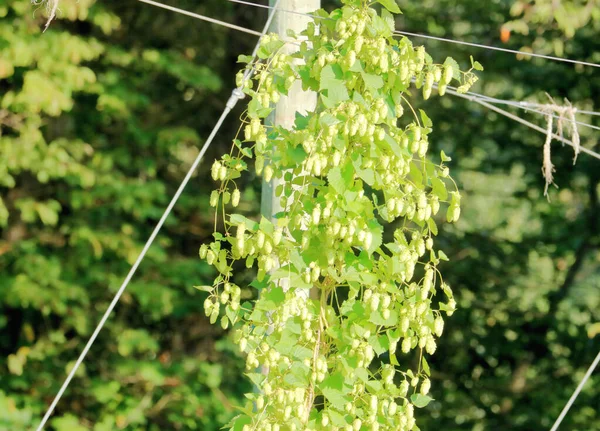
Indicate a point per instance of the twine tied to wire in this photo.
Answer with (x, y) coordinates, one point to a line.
(566, 116)
(51, 9)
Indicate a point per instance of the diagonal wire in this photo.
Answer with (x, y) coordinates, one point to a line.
(527, 106)
(201, 17)
(589, 113)
(533, 107)
(459, 42)
(236, 95)
(576, 393)
(538, 111)
(524, 104)
(520, 120)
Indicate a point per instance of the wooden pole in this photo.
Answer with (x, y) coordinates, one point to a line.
(296, 100)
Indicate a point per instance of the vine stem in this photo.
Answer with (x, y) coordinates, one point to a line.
(310, 399)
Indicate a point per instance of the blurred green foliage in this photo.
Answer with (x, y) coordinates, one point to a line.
(565, 16)
(101, 116)
(527, 271)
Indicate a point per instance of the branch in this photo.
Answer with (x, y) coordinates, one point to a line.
(588, 243)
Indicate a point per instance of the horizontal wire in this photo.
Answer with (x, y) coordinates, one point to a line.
(201, 17)
(481, 97)
(497, 48)
(459, 42)
(521, 105)
(263, 6)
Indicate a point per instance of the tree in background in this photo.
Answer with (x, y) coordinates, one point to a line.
(101, 117)
(527, 270)
(562, 17)
(111, 151)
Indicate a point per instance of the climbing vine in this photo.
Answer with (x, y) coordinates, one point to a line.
(348, 271)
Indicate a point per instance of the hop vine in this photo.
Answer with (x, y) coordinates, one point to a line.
(328, 339)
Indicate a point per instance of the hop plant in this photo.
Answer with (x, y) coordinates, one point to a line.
(355, 165)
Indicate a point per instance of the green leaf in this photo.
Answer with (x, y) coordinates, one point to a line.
(367, 175)
(593, 330)
(432, 226)
(256, 378)
(426, 120)
(287, 342)
(297, 260)
(357, 67)
(442, 256)
(373, 82)
(335, 390)
(240, 422)
(266, 226)
(205, 288)
(416, 174)
(454, 65)
(444, 157)
(335, 88)
(67, 423)
(425, 366)
(244, 58)
(389, 19)
(390, 5)
(337, 419)
(298, 375)
(380, 344)
(377, 232)
(476, 65)
(256, 109)
(362, 373)
(271, 298)
(396, 149)
(237, 219)
(15, 364)
(301, 121)
(328, 120)
(420, 400)
(378, 319)
(439, 188)
(374, 386)
(48, 213)
(336, 180)
(268, 49)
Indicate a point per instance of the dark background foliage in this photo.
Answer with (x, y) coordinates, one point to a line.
(100, 118)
